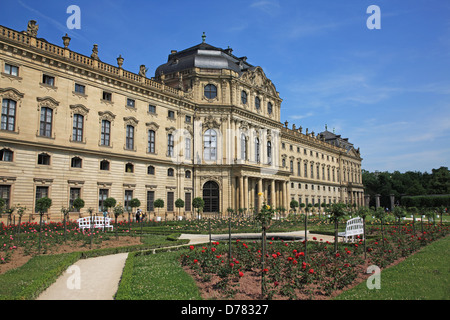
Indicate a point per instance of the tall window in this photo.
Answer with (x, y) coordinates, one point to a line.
(106, 133)
(151, 141)
(75, 193)
(210, 145)
(150, 200)
(127, 199)
(45, 129)
(269, 108)
(298, 169)
(243, 147)
(5, 194)
(102, 196)
(291, 166)
(8, 115)
(257, 150)
(41, 192)
(187, 201)
(129, 143)
(269, 152)
(187, 151)
(210, 91)
(170, 198)
(170, 145)
(305, 170)
(77, 133)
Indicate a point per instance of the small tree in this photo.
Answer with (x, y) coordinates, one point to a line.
(42, 205)
(20, 211)
(134, 203)
(65, 211)
(302, 206)
(179, 203)
(294, 205)
(337, 211)
(118, 210)
(198, 203)
(78, 204)
(159, 203)
(109, 203)
(399, 213)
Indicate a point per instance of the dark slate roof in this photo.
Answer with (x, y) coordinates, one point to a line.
(336, 140)
(205, 56)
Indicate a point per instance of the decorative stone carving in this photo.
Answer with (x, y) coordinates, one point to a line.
(66, 41)
(79, 109)
(132, 121)
(142, 71)
(210, 122)
(11, 93)
(32, 28)
(106, 115)
(94, 54)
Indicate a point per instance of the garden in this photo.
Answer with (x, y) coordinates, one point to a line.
(263, 268)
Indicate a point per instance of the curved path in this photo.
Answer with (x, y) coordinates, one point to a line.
(98, 278)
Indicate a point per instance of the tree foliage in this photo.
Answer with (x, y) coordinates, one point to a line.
(410, 183)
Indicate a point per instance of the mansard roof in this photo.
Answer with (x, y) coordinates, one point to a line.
(205, 56)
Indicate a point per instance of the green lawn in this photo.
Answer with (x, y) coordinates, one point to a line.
(423, 276)
(156, 277)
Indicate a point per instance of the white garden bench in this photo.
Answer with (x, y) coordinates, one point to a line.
(98, 222)
(353, 228)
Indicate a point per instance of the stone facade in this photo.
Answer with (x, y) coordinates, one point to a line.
(74, 126)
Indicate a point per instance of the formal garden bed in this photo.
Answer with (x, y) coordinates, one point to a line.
(322, 272)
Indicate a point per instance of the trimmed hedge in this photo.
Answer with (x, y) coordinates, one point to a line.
(426, 201)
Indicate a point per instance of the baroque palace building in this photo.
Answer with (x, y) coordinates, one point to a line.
(206, 125)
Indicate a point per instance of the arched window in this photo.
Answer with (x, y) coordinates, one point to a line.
(243, 147)
(210, 145)
(211, 196)
(170, 172)
(269, 108)
(76, 162)
(244, 97)
(187, 174)
(257, 150)
(210, 91)
(269, 152)
(129, 167)
(151, 170)
(257, 103)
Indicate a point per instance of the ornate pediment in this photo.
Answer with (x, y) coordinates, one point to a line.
(257, 79)
(48, 102)
(11, 93)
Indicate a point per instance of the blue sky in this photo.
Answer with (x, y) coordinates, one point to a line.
(387, 90)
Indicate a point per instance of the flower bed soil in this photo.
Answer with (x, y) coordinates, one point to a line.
(19, 258)
(249, 287)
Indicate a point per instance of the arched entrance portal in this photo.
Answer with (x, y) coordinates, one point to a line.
(211, 196)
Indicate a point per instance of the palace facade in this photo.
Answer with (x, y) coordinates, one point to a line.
(207, 124)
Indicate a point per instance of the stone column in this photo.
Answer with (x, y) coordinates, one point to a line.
(377, 201)
(367, 200)
(260, 189)
(246, 194)
(272, 194)
(241, 192)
